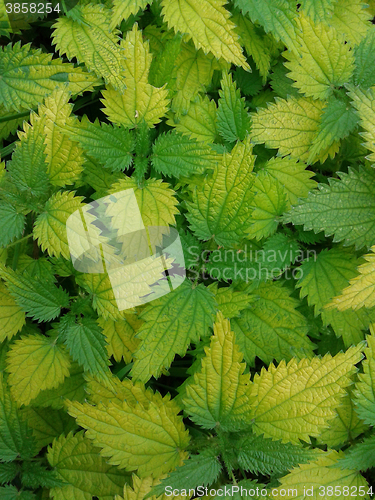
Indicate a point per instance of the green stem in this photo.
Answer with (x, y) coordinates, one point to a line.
(7, 150)
(20, 241)
(124, 371)
(14, 117)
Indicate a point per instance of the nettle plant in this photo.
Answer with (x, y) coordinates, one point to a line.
(246, 126)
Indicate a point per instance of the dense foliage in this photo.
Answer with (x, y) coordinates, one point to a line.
(249, 126)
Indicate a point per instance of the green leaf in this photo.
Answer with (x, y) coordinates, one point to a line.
(353, 18)
(92, 43)
(193, 71)
(13, 121)
(318, 10)
(140, 101)
(122, 9)
(271, 327)
(276, 16)
(10, 492)
(360, 292)
(101, 179)
(343, 208)
(233, 122)
(171, 323)
(8, 472)
(73, 388)
(325, 277)
(112, 146)
(260, 455)
(217, 394)
(365, 387)
(207, 23)
(200, 470)
(47, 423)
(101, 291)
(318, 476)
(364, 101)
(323, 60)
(346, 425)
(12, 223)
(337, 122)
(16, 439)
(231, 302)
(249, 83)
(315, 388)
(27, 75)
(64, 157)
(280, 83)
(50, 225)
(257, 44)
(220, 207)
(86, 343)
(35, 363)
(360, 456)
(147, 440)
(364, 54)
(163, 66)
(28, 168)
(120, 336)
(292, 175)
(34, 475)
(156, 200)
(40, 299)
(77, 462)
(177, 155)
(290, 125)
(199, 122)
(269, 203)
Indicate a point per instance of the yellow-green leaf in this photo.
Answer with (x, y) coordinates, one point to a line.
(345, 426)
(324, 60)
(199, 122)
(147, 440)
(120, 336)
(294, 177)
(217, 395)
(321, 480)
(35, 363)
(156, 201)
(50, 225)
(122, 9)
(208, 24)
(140, 101)
(296, 400)
(78, 463)
(194, 70)
(143, 486)
(104, 301)
(28, 75)
(12, 318)
(364, 102)
(361, 290)
(353, 18)
(64, 157)
(290, 125)
(365, 387)
(91, 41)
